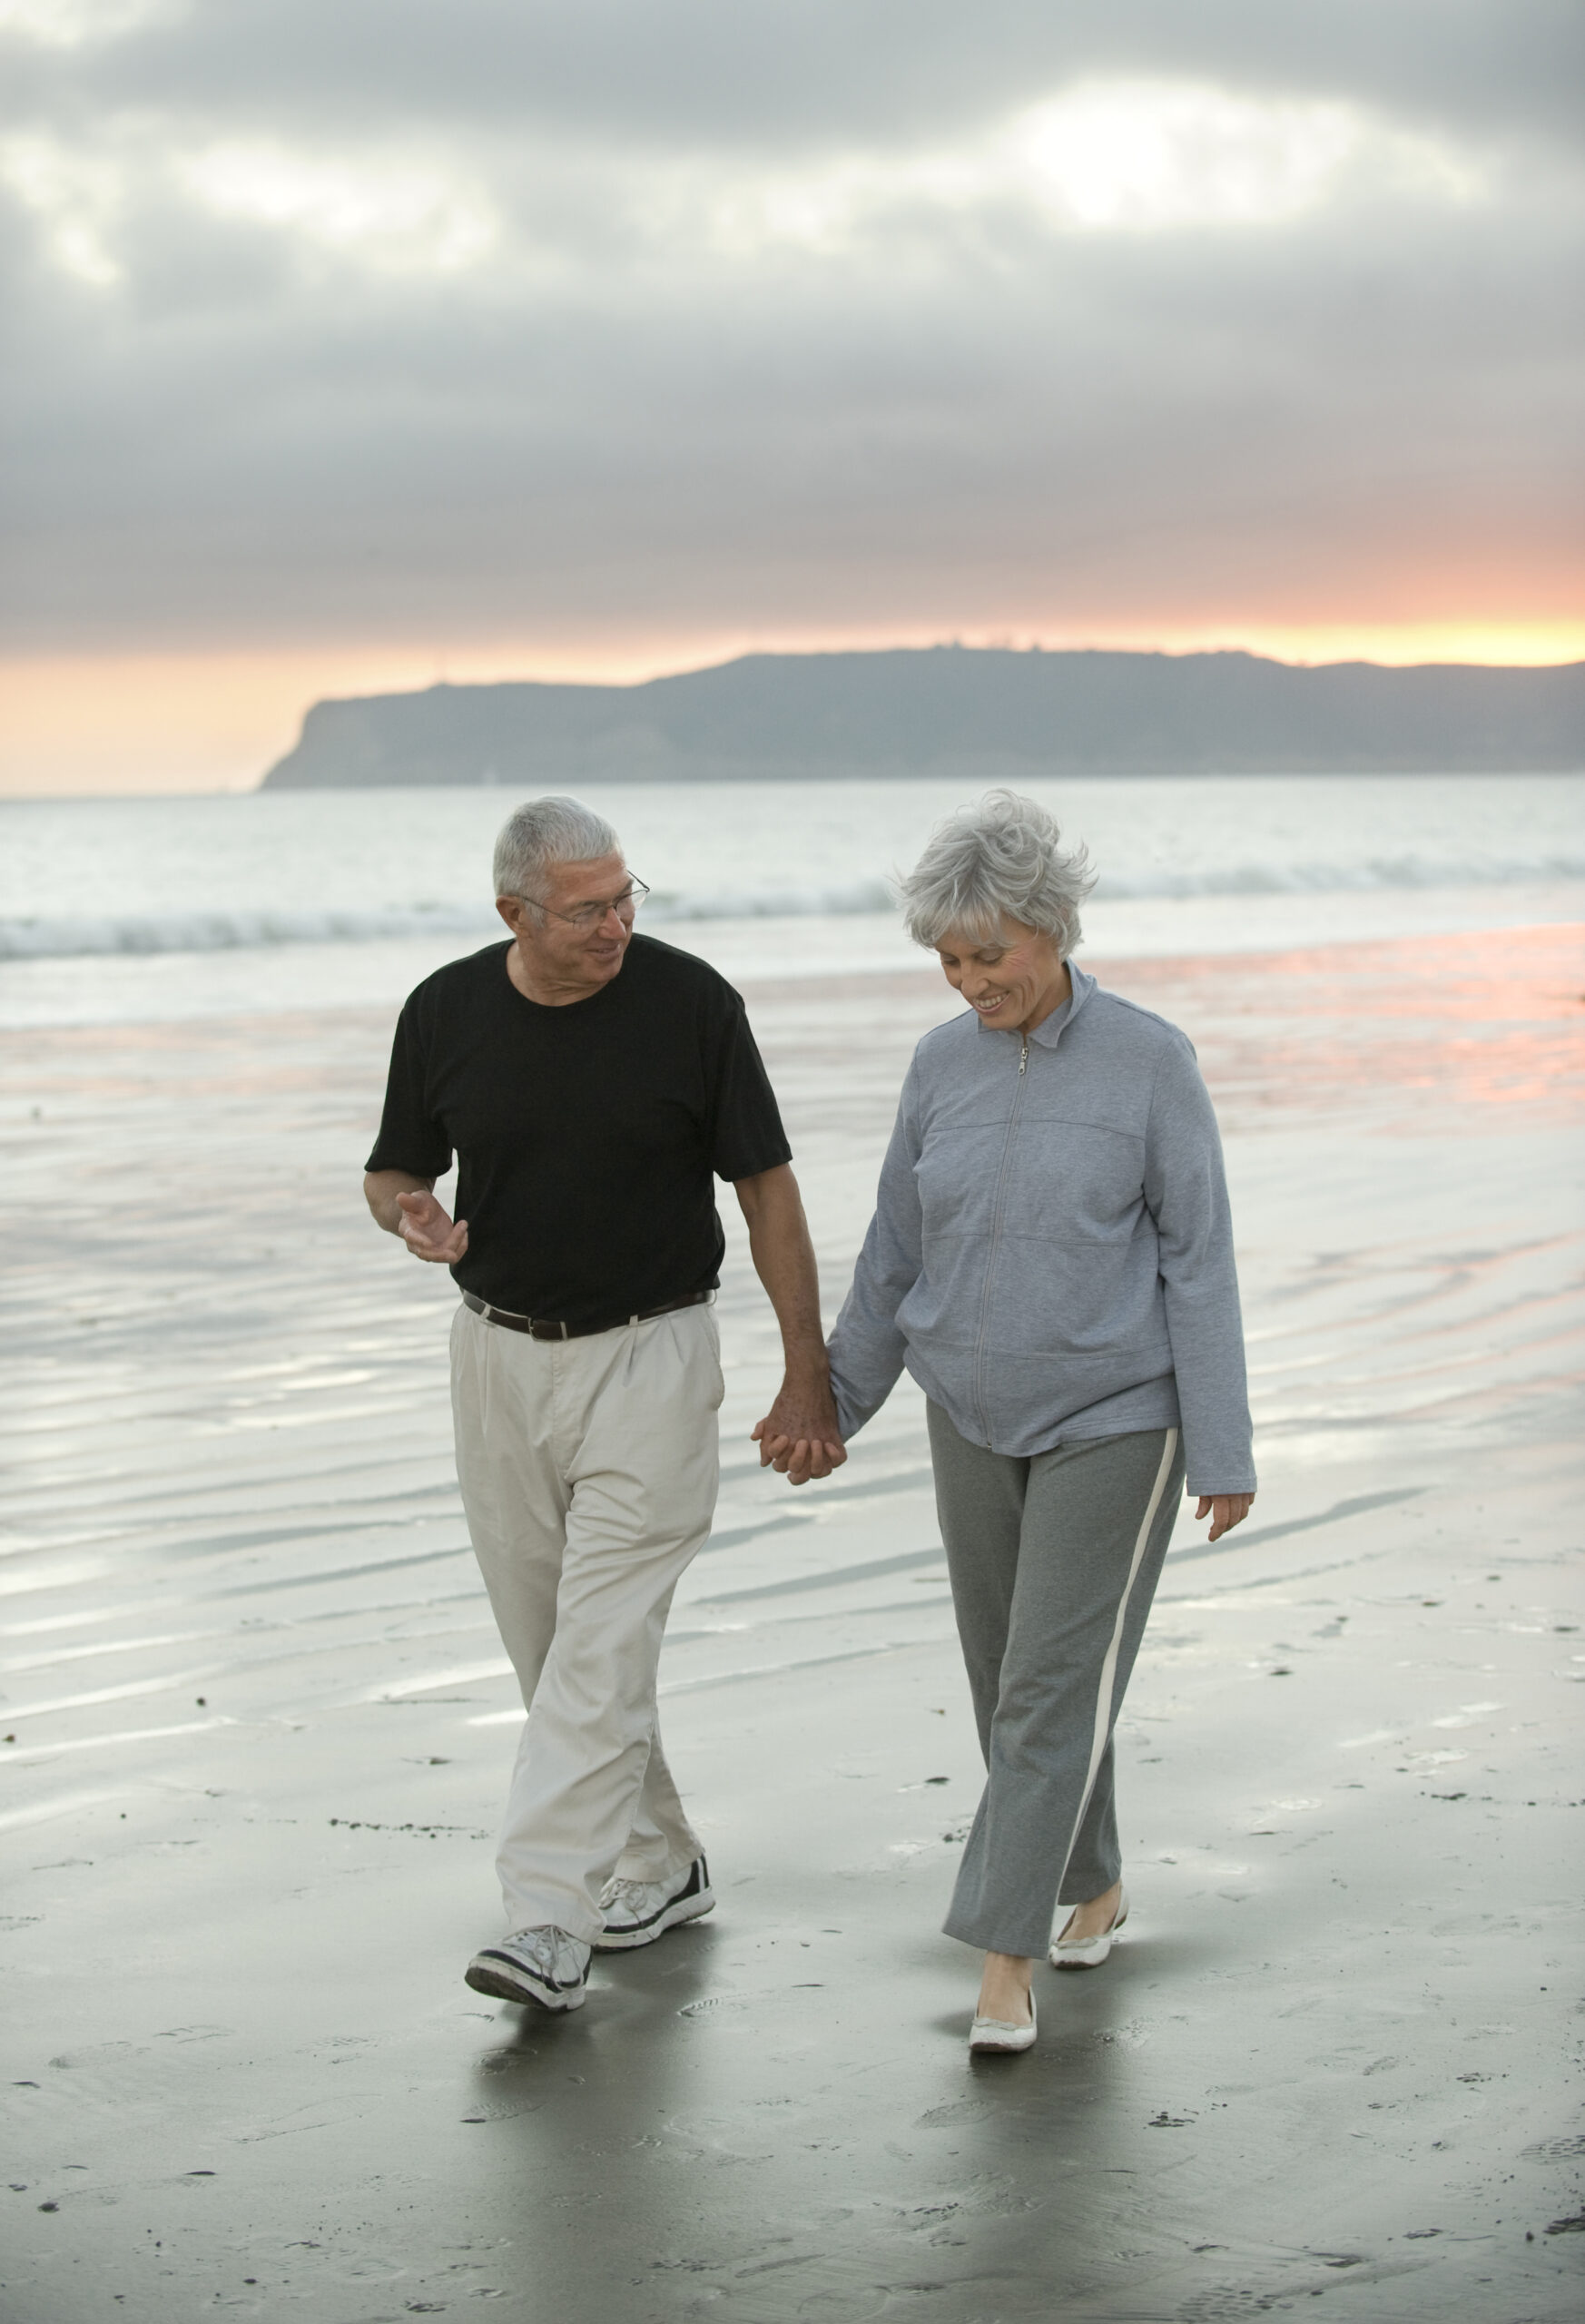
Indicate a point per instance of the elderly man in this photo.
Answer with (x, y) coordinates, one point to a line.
(590, 1081)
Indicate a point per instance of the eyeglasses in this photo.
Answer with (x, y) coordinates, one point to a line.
(588, 915)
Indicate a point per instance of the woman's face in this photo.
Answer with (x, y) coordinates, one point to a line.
(1012, 984)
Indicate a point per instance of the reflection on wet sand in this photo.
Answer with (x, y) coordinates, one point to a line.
(260, 1718)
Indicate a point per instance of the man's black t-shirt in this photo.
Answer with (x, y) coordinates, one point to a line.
(585, 1135)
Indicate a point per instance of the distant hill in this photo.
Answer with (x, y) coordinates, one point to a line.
(980, 713)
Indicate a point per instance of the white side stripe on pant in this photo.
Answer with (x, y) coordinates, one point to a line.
(1103, 1701)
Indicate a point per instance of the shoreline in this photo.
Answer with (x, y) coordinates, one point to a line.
(114, 988)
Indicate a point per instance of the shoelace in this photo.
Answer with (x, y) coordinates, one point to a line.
(627, 1895)
(558, 1955)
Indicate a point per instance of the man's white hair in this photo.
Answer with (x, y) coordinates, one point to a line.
(545, 831)
(994, 862)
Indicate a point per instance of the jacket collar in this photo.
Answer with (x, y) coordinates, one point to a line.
(1050, 1031)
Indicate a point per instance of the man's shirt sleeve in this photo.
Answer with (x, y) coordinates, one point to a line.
(410, 1138)
(744, 1130)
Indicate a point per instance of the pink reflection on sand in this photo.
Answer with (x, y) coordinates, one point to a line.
(1483, 1024)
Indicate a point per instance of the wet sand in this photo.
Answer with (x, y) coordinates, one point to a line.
(261, 1723)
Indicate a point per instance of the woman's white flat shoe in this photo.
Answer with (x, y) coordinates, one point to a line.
(994, 2034)
(1088, 1952)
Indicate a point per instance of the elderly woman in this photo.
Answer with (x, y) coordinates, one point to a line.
(1051, 1259)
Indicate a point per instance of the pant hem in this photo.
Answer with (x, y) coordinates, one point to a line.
(1001, 1943)
(1079, 1892)
(539, 1915)
(677, 1869)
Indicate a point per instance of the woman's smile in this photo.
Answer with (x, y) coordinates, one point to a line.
(1013, 981)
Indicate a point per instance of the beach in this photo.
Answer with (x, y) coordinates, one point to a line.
(1127, 457)
(261, 1723)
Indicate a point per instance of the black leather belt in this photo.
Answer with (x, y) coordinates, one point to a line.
(537, 1329)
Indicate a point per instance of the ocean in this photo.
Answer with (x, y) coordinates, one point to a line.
(160, 907)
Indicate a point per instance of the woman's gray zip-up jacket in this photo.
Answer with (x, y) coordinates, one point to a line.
(1051, 1254)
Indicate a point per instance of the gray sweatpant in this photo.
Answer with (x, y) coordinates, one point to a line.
(1054, 1561)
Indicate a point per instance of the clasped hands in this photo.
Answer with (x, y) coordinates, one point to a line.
(799, 1437)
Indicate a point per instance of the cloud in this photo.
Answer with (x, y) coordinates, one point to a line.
(1107, 156)
(77, 23)
(396, 214)
(73, 194)
(802, 74)
(418, 319)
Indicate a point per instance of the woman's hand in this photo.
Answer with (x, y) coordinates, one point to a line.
(1225, 1511)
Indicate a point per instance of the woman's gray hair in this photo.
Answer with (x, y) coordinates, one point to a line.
(1001, 860)
(546, 832)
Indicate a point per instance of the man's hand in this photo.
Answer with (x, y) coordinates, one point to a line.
(799, 1437)
(1224, 1510)
(426, 1230)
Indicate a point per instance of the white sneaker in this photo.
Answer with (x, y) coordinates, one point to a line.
(638, 1911)
(1088, 1952)
(540, 1964)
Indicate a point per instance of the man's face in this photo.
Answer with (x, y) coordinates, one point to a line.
(579, 941)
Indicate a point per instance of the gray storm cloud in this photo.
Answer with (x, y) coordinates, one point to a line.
(397, 319)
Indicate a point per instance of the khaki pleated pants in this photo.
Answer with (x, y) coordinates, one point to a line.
(588, 1470)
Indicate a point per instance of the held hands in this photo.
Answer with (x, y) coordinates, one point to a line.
(1225, 1511)
(799, 1437)
(426, 1230)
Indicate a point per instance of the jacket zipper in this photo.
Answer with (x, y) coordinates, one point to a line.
(995, 1240)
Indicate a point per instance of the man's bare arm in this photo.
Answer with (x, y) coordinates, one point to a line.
(406, 1206)
(798, 1436)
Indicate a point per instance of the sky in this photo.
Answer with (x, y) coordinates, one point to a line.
(351, 344)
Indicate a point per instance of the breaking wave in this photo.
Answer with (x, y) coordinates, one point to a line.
(23, 938)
